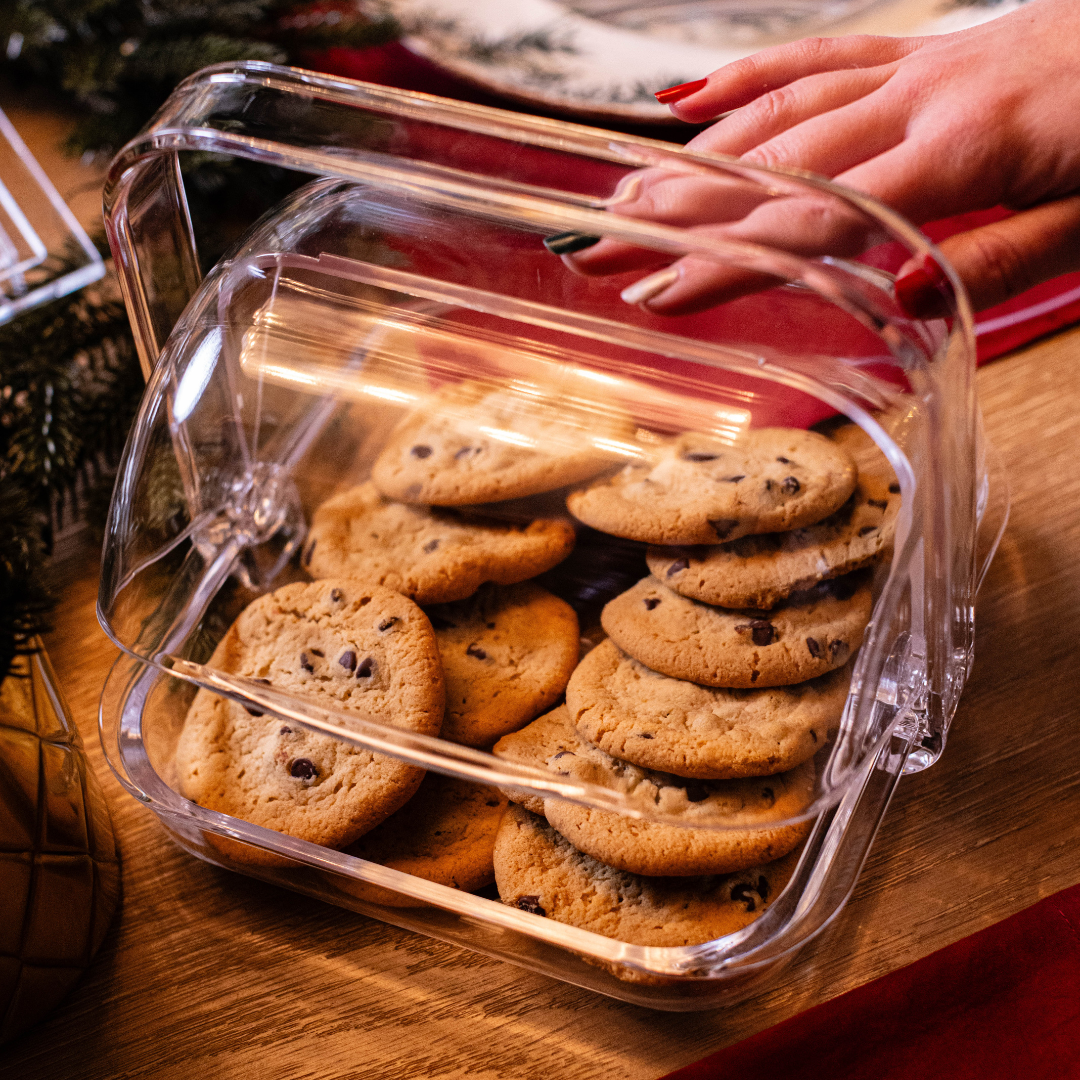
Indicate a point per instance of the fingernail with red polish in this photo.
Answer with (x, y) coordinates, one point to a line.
(925, 292)
(677, 93)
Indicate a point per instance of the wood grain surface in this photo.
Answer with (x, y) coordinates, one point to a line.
(208, 974)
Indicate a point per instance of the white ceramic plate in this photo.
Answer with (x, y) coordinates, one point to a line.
(604, 59)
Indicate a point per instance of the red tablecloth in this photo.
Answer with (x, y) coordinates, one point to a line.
(1002, 1004)
(1038, 311)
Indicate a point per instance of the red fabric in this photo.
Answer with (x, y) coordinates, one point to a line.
(1007, 326)
(1039, 311)
(1002, 1003)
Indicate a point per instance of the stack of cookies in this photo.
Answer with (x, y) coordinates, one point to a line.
(723, 674)
(422, 614)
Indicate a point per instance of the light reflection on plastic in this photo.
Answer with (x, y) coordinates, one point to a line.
(288, 375)
(512, 437)
(613, 446)
(196, 375)
(597, 376)
(732, 424)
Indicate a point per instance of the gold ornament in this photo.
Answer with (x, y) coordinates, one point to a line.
(59, 867)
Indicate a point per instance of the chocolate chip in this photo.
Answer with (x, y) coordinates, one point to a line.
(894, 489)
(644, 735)
(336, 595)
(768, 793)
(678, 566)
(475, 650)
(722, 526)
(430, 546)
(843, 588)
(530, 904)
(744, 893)
(466, 450)
(815, 648)
(697, 791)
(256, 712)
(303, 769)
(492, 802)
(651, 602)
(563, 753)
(387, 623)
(867, 529)
(310, 551)
(285, 731)
(366, 669)
(784, 460)
(421, 451)
(813, 734)
(838, 648)
(763, 888)
(439, 623)
(305, 663)
(348, 660)
(791, 486)
(317, 652)
(734, 479)
(754, 676)
(699, 455)
(490, 625)
(768, 485)
(879, 503)
(762, 632)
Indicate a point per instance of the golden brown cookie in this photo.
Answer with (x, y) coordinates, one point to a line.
(445, 833)
(756, 810)
(432, 556)
(711, 733)
(473, 443)
(541, 872)
(811, 633)
(507, 653)
(760, 571)
(701, 489)
(337, 642)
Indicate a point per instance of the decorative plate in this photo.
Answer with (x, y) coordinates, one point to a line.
(604, 59)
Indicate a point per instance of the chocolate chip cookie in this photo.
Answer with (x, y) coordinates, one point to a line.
(657, 722)
(507, 653)
(474, 442)
(445, 833)
(541, 872)
(353, 646)
(759, 571)
(757, 811)
(811, 633)
(703, 490)
(432, 556)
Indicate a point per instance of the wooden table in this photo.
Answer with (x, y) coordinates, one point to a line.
(208, 974)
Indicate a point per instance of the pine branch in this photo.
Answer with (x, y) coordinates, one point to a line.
(25, 605)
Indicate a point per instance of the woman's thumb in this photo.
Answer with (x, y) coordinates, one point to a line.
(998, 261)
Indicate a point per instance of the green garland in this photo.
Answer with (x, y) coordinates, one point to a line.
(69, 377)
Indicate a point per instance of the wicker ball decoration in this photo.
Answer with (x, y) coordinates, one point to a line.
(59, 868)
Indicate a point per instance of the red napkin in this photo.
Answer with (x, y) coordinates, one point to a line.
(1002, 1003)
(1007, 326)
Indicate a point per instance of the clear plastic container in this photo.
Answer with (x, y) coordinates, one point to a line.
(415, 261)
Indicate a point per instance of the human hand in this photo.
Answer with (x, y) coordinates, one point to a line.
(931, 126)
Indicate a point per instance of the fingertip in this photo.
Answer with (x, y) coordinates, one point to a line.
(673, 94)
(923, 291)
